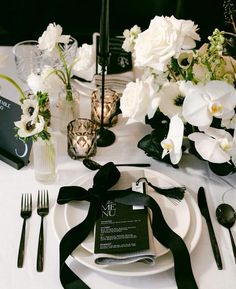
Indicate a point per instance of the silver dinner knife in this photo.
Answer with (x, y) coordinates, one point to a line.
(202, 203)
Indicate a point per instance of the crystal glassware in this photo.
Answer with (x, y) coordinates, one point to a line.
(28, 58)
(111, 106)
(82, 138)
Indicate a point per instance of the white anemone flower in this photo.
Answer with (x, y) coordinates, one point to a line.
(172, 145)
(30, 109)
(213, 145)
(51, 37)
(171, 99)
(185, 58)
(28, 127)
(204, 101)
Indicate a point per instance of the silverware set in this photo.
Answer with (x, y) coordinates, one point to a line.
(226, 216)
(25, 213)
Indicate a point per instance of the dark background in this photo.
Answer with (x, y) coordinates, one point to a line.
(27, 19)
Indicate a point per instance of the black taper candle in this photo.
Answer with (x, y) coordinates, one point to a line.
(104, 31)
(105, 137)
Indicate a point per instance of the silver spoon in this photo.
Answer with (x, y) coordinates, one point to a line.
(226, 216)
(92, 165)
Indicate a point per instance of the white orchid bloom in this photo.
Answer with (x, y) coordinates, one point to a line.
(214, 145)
(30, 109)
(51, 37)
(172, 145)
(29, 127)
(138, 100)
(204, 101)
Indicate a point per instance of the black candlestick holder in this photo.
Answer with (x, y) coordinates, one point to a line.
(105, 137)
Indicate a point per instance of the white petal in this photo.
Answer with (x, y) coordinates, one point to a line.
(209, 148)
(195, 109)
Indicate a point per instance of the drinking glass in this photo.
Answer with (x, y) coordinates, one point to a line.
(27, 58)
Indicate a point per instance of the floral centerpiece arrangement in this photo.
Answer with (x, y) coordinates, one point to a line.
(186, 94)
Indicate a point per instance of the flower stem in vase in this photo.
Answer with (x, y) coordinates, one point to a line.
(68, 107)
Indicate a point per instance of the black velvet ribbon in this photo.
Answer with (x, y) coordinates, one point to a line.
(99, 194)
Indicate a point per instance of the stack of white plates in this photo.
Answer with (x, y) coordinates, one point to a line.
(184, 218)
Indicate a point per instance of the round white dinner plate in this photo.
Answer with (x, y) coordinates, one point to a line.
(163, 262)
(177, 216)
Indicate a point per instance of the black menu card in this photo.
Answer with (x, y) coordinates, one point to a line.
(121, 229)
(13, 150)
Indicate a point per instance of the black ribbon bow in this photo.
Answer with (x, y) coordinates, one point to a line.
(104, 179)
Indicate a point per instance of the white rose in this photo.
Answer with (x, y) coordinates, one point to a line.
(164, 38)
(86, 57)
(85, 66)
(138, 100)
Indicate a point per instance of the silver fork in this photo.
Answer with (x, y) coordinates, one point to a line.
(25, 212)
(42, 210)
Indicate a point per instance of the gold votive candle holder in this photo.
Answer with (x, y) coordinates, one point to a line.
(111, 106)
(81, 138)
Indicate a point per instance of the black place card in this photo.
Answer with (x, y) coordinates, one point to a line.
(121, 229)
(120, 61)
(13, 151)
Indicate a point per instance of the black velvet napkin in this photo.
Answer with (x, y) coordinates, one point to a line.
(99, 194)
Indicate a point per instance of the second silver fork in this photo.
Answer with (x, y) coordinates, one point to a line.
(42, 210)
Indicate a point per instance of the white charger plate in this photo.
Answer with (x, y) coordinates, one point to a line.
(177, 216)
(163, 263)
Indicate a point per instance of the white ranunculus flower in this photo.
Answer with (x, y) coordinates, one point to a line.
(53, 84)
(36, 83)
(30, 109)
(85, 66)
(29, 127)
(172, 145)
(164, 38)
(51, 37)
(138, 100)
(48, 82)
(171, 99)
(203, 101)
(214, 145)
(201, 73)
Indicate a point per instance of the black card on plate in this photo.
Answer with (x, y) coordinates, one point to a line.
(13, 151)
(121, 229)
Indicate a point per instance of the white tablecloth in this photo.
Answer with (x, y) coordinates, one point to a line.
(193, 173)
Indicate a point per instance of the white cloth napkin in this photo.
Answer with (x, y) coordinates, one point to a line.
(145, 256)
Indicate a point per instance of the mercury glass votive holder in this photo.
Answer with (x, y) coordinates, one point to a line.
(111, 106)
(81, 138)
